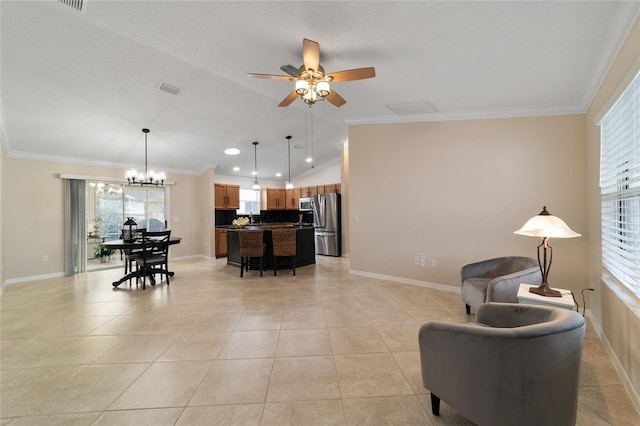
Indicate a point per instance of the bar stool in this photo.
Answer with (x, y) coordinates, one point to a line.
(251, 245)
(284, 244)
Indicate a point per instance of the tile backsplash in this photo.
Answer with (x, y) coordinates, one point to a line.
(225, 217)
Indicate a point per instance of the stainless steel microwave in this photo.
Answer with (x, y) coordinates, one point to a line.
(306, 204)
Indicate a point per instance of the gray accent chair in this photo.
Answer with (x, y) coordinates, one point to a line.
(516, 365)
(497, 280)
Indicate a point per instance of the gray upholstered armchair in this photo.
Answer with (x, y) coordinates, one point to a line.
(497, 280)
(516, 365)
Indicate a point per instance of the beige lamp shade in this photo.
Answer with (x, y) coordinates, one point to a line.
(546, 225)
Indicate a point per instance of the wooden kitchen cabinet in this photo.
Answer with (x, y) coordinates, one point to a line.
(221, 242)
(292, 201)
(227, 197)
(333, 188)
(273, 199)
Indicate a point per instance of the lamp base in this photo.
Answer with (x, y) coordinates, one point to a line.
(545, 290)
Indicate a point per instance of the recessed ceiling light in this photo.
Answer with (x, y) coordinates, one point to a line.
(278, 174)
(253, 173)
(232, 151)
(235, 169)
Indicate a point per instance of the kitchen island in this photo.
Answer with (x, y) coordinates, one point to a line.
(305, 246)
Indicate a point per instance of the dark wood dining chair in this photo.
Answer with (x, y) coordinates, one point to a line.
(284, 244)
(251, 245)
(154, 258)
(128, 255)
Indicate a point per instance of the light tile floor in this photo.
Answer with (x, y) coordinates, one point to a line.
(324, 347)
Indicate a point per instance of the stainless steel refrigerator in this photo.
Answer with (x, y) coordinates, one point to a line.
(328, 224)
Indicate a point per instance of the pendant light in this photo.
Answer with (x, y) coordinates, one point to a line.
(256, 184)
(308, 119)
(289, 183)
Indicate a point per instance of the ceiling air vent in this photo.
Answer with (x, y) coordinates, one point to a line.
(420, 107)
(169, 88)
(76, 4)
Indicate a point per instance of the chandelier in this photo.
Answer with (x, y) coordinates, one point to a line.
(148, 177)
(312, 85)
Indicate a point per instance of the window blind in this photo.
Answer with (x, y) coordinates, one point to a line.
(620, 187)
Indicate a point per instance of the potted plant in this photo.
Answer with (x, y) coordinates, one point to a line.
(103, 253)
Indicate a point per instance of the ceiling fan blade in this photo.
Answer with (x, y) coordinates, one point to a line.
(335, 99)
(290, 69)
(354, 74)
(286, 101)
(310, 54)
(270, 76)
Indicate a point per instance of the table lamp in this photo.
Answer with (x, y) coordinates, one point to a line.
(546, 226)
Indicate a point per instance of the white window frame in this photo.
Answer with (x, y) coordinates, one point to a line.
(620, 188)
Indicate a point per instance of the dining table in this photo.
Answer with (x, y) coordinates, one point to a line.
(138, 245)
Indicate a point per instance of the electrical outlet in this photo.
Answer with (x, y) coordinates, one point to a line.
(416, 261)
(422, 256)
(422, 262)
(45, 257)
(434, 263)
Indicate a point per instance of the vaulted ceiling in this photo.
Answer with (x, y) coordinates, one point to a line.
(78, 86)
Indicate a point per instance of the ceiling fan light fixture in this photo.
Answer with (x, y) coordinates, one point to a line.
(310, 98)
(302, 87)
(323, 89)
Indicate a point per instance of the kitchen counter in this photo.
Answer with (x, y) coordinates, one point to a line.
(305, 246)
(266, 226)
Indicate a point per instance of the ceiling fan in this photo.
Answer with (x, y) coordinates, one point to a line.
(312, 84)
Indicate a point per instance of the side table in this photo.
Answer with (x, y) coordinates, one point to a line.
(565, 302)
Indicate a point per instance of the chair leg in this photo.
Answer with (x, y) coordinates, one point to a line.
(293, 261)
(261, 269)
(435, 405)
(468, 309)
(241, 265)
(275, 265)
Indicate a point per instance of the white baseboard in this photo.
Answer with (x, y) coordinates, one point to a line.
(626, 382)
(401, 280)
(30, 278)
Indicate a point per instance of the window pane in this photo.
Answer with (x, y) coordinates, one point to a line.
(620, 188)
(107, 210)
(249, 202)
(135, 206)
(146, 206)
(156, 210)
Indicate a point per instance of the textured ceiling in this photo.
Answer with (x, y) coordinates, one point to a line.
(79, 86)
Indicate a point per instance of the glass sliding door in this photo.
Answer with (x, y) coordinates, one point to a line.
(108, 206)
(146, 206)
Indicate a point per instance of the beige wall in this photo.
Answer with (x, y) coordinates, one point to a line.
(2, 245)
(457, 190)
(616, 310)
(33, 218)
(326, 174)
